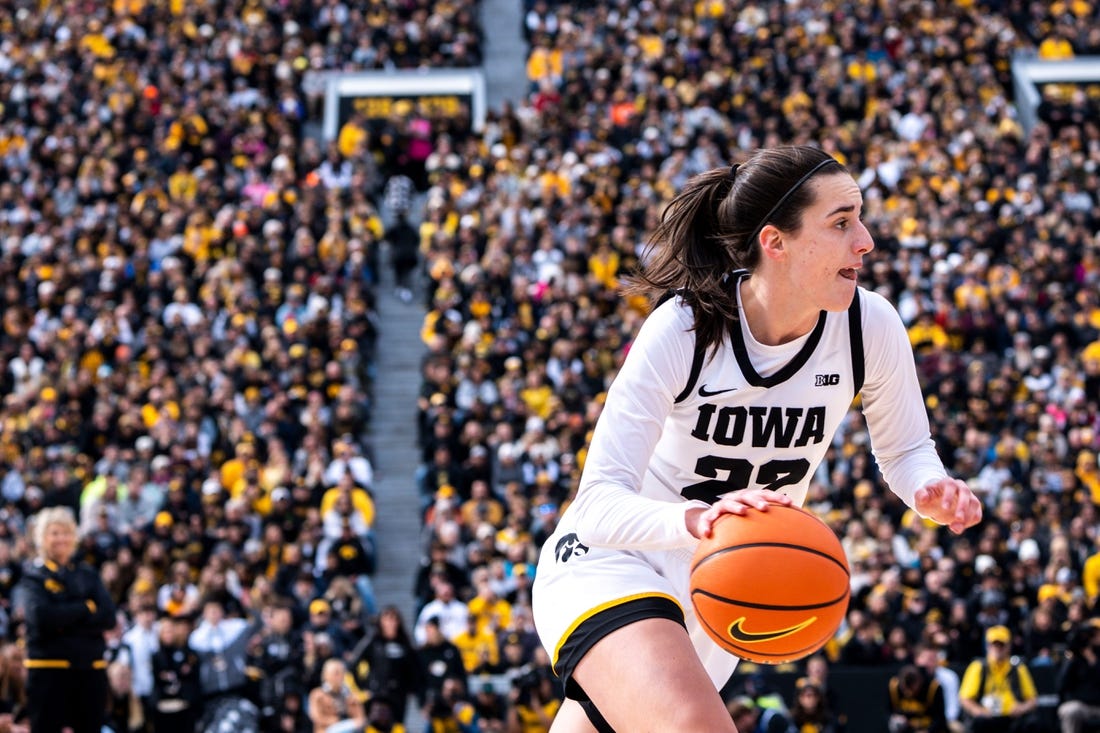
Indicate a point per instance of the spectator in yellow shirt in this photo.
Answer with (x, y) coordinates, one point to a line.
(493, 613)
(361, 500)
(997, 692)
(478, 646)
(926, 335)
(1086, 472)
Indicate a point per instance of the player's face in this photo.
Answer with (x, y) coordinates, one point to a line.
(827, 251)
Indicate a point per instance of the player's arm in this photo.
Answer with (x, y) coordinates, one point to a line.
(609, 510)
(893, 405)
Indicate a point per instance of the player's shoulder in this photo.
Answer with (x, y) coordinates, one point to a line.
(672, 319)
(878, 314)
(874, 302)
(671, 310)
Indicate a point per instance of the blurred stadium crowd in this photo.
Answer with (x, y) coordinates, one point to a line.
(188, 338)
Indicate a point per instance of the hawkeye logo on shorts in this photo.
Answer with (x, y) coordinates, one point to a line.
(737, 631)
(569, 546)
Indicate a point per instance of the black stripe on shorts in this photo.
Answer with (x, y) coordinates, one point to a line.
(596, 627)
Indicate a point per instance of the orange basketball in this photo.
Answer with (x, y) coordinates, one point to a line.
(772, 586)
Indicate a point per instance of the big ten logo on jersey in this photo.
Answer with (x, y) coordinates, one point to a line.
(826, 380)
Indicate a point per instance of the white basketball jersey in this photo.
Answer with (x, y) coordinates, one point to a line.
(735, 428)
(679, 426)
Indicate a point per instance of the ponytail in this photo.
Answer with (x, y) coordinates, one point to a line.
(690, 253)
(711, 229)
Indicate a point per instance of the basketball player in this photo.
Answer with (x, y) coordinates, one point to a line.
(725, 404)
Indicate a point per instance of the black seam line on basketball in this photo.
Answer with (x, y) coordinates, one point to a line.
(787, 545)
(770, 606)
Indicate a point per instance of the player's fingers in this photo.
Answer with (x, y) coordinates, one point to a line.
(949, 498)
(967, 514)
(731, 505)
(775, 497)
(740, 503)
(710, 516)
(761, 498)
(924, 497)
(973, 511)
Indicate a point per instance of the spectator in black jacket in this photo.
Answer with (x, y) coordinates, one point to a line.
(275, 659)
(404, 253)
(916, 702)
(177, 685)
(439, 659)
(386, 663)
(66, 609)
(437, 566)
(1079, 680)
(323, 621)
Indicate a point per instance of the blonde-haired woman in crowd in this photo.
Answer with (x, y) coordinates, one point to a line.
(333, 706)
(66, 609)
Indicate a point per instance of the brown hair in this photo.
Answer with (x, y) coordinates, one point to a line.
(711, 228)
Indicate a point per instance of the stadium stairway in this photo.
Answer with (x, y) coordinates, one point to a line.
(504, 52)
(393, 445)
(394, 451)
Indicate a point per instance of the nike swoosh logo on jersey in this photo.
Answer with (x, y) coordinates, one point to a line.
(704, 392)
(738, 633)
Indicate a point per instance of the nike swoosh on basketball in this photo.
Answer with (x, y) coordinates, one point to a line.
(738, 633)
(704, 392)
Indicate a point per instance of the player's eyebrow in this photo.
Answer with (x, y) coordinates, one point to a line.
(845, 209)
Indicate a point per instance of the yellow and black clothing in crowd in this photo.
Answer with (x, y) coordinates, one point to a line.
(917, 703)
(177, 701)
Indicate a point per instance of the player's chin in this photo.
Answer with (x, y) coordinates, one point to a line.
(841, 293)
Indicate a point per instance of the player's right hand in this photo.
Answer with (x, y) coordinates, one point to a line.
(700, 521)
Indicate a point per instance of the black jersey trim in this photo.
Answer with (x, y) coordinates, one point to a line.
(697, 356)
(855, 334)
(697, 359)
(667, 296)
(789, 369)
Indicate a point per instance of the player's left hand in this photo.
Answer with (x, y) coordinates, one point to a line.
(950, 502)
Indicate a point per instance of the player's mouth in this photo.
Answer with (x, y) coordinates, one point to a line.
(849, 273)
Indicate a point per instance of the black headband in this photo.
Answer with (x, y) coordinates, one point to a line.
(790, 192)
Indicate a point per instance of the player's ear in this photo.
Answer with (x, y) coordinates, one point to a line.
(772, 242)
